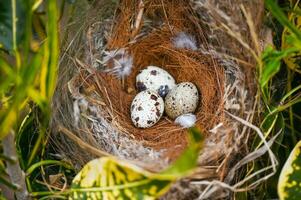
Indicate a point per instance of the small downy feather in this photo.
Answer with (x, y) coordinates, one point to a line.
(184, 41)
(186, 120)
(122, 62)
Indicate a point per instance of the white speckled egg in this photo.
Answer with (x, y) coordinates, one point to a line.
(147, 108)
(182, 99)
(156, 79)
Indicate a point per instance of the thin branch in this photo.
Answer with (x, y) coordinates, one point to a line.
(138, 19)
(82, 144)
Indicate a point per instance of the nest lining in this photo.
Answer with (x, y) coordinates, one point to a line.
(155, 47)
(105, 100)
(112, 97)
(97, 103)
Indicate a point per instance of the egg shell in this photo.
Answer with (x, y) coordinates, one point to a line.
(147, 108)
(182, 99)
(156, 79)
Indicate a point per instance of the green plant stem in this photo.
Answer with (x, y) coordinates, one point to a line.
(28, 30)
(289, 104)
(281, 108)
(36, 147)
(28, 183)
(54, 196)
(46, 162)
(291, 117)
(14, 27)
(291, 92)
(39, 164)
(280, 16)
(14, 32)
(48, 193)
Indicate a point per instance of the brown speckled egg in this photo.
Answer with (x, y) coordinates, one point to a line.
(156, 79)
(182, 99)
(147, 108)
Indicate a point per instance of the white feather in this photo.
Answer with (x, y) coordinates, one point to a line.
(123, 62)
(184, 41)
(186, 120)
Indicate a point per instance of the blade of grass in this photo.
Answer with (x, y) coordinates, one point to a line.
(291, 117)
(14, 32)
(46, 162)
(290, 93)
(49, 67)
(280, 16)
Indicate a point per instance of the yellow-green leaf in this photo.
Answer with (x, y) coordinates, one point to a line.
(271, 59)
(289, 184)
(289, 41)
(10, 19)
(111, 178)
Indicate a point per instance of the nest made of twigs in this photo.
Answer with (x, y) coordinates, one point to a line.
(156, 48)
(91, 106)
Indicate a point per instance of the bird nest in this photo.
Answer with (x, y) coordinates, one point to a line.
(104, 49)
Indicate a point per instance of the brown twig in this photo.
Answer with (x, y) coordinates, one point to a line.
(138, 21)
(82, 144)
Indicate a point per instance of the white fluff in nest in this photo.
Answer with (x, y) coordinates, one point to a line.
(186, 120)
(122, 62)
(184, 41)
(217, 128)
(79, 106)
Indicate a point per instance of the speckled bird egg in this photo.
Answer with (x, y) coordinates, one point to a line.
(182, 99)
(156, 79)
(147, 108)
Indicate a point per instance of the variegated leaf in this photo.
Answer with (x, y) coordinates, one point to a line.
(294, 60)
(289, 184)
(110, 178)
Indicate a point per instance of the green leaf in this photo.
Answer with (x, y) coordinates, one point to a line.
(267, 126)
(280, 16)
(20, 95)
(6, 30)
(8, 76)
(188, 159)
(289, 184)
(24, 137)
(293, 61)
(289, 40)
(272, 124)
(51, 53)
(111, 178)
(272, 61)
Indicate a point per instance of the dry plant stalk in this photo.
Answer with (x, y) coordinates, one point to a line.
(16, 174)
